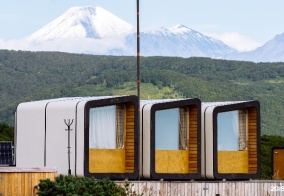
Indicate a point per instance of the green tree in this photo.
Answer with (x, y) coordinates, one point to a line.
(6, 132)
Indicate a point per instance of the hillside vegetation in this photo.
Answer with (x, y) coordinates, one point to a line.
(27, 76)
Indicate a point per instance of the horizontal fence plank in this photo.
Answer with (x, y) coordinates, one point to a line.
(20, 182)
(208, 188)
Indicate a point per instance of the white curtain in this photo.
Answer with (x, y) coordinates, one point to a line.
(102, 127)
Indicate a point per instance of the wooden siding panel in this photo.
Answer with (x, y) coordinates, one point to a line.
(106, 160)
(192, 139)
(233, 162)
(278, 160)
(252, 140)
(171, 161)
(129, 138)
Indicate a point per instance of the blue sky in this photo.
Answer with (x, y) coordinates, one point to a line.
(243, 23)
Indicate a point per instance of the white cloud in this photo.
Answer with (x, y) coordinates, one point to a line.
(14, 44)
(237, 41)
(82, 45)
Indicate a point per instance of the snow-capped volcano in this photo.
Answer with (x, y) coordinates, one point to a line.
(178, 41)
(190, 34)
(94, 30)
(82, 22)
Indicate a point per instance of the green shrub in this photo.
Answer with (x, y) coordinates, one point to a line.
(6, 132)
(71, 186)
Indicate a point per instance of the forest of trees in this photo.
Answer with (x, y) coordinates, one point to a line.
(27, 76)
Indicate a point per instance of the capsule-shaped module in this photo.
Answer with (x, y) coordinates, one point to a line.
(170, 139)
(83, 136)
(231, 140)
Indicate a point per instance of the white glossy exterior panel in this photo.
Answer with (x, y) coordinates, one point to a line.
(207, 143)
(145, 131)
(30, 135)
(57, 135)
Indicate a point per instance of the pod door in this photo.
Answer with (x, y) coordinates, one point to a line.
(175, 145)
(171, 139)
(232, 142)
(237, 143)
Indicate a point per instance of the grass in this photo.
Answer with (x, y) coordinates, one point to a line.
(147, 91)
(276, 81)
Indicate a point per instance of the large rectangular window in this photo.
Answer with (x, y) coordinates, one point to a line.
(232, 130)
(106, 127)
(171, 129)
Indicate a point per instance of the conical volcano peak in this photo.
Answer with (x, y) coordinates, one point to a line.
(81, 12)
(82, 22)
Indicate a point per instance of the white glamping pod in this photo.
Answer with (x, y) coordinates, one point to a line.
(170, 139)
(83, 136)
(230, 140)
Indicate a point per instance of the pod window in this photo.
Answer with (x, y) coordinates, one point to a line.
(171, 129)
(106, 127)
(232, 130)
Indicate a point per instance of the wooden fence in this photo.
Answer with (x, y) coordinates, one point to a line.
(21, 181)
(209, 188)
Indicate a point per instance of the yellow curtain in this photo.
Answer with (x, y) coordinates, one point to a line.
(182, 128)
(242, 129)
(119, 126)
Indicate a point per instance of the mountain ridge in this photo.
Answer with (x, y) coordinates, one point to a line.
(271, 51)
(94, 30)
(107, 34)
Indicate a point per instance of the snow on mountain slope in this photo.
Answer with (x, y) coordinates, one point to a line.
(82, 22)
(272, 51)
(96, 31)
(178, 41)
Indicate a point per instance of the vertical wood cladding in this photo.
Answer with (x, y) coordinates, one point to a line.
(252, 140)
(129, 138)
(193, 139)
